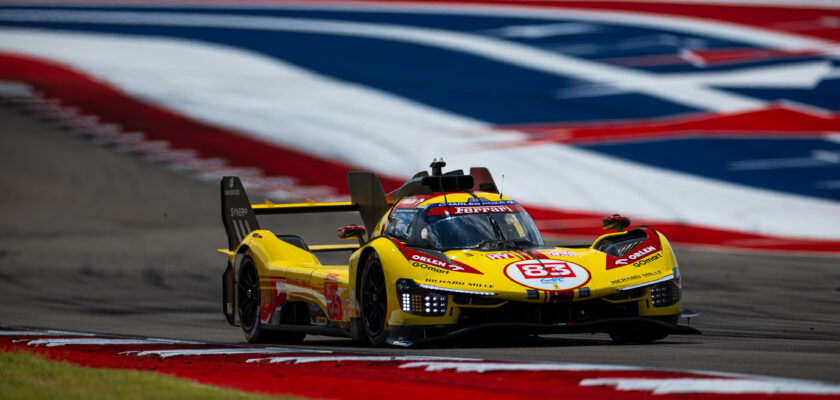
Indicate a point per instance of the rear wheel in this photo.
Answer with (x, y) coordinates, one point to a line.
(248, 299)
(374, 301)
(248, 304)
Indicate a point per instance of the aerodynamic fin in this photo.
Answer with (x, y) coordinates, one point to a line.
(237, 215)
(483, 181)
(367, 195)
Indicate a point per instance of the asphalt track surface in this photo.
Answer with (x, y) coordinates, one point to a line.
(95, 240)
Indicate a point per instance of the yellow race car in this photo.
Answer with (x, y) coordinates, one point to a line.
(444, 255)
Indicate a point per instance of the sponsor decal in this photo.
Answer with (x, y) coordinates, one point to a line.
(648, 260)
(635, 277)
(257, 235)
(547, 274)
(645, 249)
(482, 209)
(428, 267)
(636, 255)
(238, 212)
(231, 191)
(559, 253)
(473, 208)
(332, 295)
(499, 256)
(411, 202)
(446, 282)
(331, 278)
(423, 258)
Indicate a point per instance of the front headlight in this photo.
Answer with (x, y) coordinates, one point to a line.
(420, 301)
(666, 293)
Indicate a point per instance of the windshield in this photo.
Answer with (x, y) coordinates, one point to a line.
(485, 231)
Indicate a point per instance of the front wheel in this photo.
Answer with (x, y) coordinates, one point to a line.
(374, 301)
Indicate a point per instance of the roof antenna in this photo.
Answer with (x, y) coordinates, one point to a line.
(503, 187)
(437, 166)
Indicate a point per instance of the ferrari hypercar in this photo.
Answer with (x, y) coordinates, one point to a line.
(445, 255)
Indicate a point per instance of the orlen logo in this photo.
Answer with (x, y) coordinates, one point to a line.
(432, 261)
(637, 255)
(547, 274)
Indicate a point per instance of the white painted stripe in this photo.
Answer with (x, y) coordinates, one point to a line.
(103, 342)
(677, 23)
(715, 385)
(482, 367)
(817, 158)
(44, 333)
(306, 360)
(679, 91)
(220, 351)
(14, 89)
(318, 115)
(801, 75)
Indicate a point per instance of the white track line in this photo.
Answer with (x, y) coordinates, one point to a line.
(220, 351)
(715, 385)
(307, 360)
(483, 367)
(103, 342)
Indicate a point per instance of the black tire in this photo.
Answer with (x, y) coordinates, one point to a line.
(373, 301)
(637, 334)
(248, 308)
(248, 299)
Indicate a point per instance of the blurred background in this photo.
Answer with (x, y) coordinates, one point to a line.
(715, 121)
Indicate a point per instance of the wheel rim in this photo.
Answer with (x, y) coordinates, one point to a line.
(248, 296)
(374, 297)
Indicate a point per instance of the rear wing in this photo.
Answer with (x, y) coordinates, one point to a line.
(239, 215)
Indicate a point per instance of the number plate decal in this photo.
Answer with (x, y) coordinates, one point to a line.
(547, 274)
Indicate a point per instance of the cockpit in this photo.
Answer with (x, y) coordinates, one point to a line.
(447, 227)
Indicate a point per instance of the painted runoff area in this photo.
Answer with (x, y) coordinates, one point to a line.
(348, 375)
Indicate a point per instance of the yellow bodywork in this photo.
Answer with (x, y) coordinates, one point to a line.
(290, 274)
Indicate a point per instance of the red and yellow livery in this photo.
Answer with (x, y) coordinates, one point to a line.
(445, 255)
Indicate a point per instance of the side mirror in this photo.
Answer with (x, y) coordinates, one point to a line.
(351, 231)
(616, 222)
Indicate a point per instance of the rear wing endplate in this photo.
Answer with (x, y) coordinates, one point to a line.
(239, 215)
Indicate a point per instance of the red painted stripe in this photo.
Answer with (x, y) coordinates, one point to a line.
(588, 226)
(773, 121)
(113, 106)
(96, 98)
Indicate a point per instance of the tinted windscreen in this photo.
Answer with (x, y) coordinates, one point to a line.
(475, 230)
